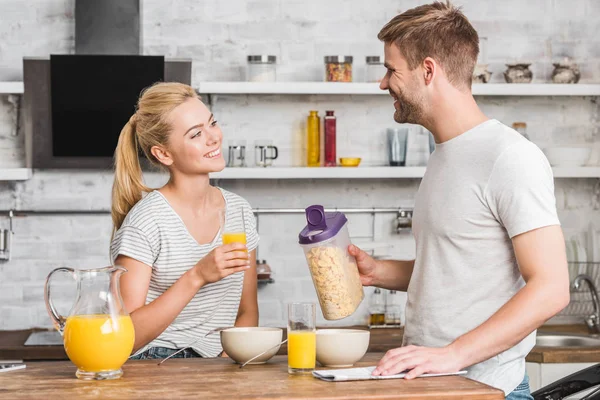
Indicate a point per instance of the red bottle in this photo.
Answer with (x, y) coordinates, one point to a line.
(330, 142)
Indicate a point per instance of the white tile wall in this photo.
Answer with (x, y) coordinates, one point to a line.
(218, 35)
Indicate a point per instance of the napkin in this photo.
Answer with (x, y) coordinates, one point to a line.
(363, 374)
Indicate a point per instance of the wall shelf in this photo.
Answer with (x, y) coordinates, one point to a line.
(15, 174)
(365, 173)
(11, 88)
(334, 88)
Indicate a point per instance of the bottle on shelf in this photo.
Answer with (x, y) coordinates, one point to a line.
(313, 142)
(377, 308)
(330, 139)
(393, 308)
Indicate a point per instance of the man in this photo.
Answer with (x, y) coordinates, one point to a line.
(490, 261)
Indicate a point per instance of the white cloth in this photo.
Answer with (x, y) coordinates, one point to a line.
(480, 189)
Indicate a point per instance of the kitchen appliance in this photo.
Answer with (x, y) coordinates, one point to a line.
(75, 105)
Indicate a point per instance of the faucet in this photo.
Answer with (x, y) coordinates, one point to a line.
(592, 321)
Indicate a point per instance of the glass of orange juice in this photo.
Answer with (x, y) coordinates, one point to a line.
(302, 338)
(233, 230)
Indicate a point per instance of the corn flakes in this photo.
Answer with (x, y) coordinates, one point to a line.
(336, 279)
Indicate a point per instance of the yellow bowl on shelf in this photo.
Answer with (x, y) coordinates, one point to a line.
(349, 161)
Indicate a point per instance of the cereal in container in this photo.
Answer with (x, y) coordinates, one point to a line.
(325, 241)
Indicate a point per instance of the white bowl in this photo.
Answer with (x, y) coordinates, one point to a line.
(568, 156)
(241, 344)
(338, 348)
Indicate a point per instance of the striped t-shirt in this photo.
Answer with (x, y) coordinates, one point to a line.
(154, 234)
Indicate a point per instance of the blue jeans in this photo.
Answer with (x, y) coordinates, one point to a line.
(163, 352)
(521, 392)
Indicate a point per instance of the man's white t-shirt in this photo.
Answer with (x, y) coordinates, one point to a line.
(481, 189)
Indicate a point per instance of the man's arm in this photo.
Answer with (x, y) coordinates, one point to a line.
(386, 274)
(542, 261)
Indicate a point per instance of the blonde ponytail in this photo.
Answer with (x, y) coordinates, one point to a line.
(147, 128)
(128, 185)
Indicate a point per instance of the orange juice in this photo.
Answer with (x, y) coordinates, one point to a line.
(302, 349)
(98, 342)
(234, 237)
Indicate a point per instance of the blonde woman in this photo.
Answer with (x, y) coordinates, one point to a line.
(181, 281)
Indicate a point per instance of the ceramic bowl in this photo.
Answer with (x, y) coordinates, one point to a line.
(574, 156)
(350, 161)
(338, 348)
(241, 344)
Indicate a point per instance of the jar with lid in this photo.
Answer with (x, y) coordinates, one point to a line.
(325, 240)
(377, 308)
(393, 308)
(338, 68)
(521, 127)
(261, 68)
(374, 71)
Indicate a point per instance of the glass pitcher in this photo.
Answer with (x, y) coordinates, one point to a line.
(98, 333)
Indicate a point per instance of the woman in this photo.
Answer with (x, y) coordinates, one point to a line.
(181, 281)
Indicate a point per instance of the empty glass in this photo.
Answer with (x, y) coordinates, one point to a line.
(302, 338)
(264, 153)
(237, 154)
(396, 139)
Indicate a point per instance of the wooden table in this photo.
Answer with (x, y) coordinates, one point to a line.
(220, 378)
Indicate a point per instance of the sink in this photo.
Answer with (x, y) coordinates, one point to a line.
(563, 340)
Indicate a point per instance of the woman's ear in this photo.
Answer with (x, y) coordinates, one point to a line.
(162, 155)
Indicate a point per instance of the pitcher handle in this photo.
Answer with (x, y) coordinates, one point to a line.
(58, 320)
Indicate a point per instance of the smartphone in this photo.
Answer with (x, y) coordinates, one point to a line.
(10, 367)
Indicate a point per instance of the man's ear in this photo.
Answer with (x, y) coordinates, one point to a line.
(162, 155)
(430, 69)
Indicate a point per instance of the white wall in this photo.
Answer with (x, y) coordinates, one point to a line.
(218, 35)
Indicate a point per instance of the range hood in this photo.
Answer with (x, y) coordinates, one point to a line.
(108, 27)
(106, 75)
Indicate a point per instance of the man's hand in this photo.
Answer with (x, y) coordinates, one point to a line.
(419, 360)
(366, 265)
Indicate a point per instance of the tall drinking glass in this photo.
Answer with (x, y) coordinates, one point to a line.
(302, 338)
(232, 230)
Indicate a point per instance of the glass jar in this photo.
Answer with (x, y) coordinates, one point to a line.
(393, 308)
(263, 270)
(261, 68)
(338, 68)
(374, 71)
(377, 308)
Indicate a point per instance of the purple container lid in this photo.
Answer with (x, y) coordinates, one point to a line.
(321, 225)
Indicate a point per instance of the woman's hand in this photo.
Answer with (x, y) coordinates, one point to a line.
(222, 262)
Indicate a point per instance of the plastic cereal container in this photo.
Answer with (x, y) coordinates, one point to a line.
(325, 241)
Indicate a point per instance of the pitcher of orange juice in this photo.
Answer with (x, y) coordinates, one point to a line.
(98, 334)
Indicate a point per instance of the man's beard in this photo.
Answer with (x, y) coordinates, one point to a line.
(410, 110)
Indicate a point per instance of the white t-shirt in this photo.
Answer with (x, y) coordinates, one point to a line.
(154, 234)
(480, 189)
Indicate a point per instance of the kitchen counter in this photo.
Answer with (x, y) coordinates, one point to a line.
(382, 339)
(214, 378)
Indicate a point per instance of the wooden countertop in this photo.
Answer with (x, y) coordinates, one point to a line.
(382, 340)
(215, 378)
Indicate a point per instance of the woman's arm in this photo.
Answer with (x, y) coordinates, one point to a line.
(248, 310)
(150, 320)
